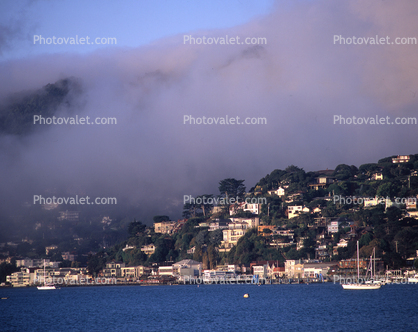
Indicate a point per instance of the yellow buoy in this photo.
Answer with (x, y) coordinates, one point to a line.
(246, 295)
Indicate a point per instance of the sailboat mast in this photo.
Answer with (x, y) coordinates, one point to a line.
(358, 263)
(371, 266)
(44, 273)
(374, 263)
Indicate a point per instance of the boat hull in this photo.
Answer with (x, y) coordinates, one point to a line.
(46, 287)
(360, 286)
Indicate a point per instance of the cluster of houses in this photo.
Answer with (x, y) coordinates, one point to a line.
(232, 230)
(188, 270)
(35, 276)
(235, 228)
(182, 272)
(32, 272)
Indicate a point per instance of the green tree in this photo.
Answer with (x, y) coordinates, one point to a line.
(199, 206)
(172, 255)
(7, 269)
(308, 249)
(95, 263)
(212, 256)
(215, 237)
(368, 169)
(340, 188)
(231, 188)
(345, 172)
(293, 254)
(197, 255)
(206, 203)
(135, 228)
(201, 237)
(159, 255)
(365, 239)
(385, 190)
(160, 218)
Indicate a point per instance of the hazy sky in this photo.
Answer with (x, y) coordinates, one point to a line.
(133, 23)
(299, 81)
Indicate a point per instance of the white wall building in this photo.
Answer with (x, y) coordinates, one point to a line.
(187, 267)
(21, 278)
(294, 211)
(148, 249)
(252, 222)
(333, 226)
(253, 208)
(166, 270)
(279, 192)
(260, 271)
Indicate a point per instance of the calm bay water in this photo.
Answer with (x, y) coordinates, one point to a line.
(314, 307)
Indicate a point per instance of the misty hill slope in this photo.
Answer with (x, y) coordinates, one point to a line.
(17, 113)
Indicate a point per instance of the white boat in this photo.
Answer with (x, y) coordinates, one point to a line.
(46, 286)
(361, 286)
(413, 279)
(358, 285)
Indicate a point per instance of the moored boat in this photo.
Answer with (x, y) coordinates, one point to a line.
(46, 286)
(413, 279)
(359, 285)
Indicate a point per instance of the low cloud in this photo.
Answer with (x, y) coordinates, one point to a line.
(297, 81)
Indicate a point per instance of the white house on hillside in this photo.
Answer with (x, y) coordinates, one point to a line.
(279, 192)
(253, 208)
(295, 210)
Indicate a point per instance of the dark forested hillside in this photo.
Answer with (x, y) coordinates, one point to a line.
(17, 113)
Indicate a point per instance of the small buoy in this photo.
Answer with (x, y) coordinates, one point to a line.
(246, 295)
